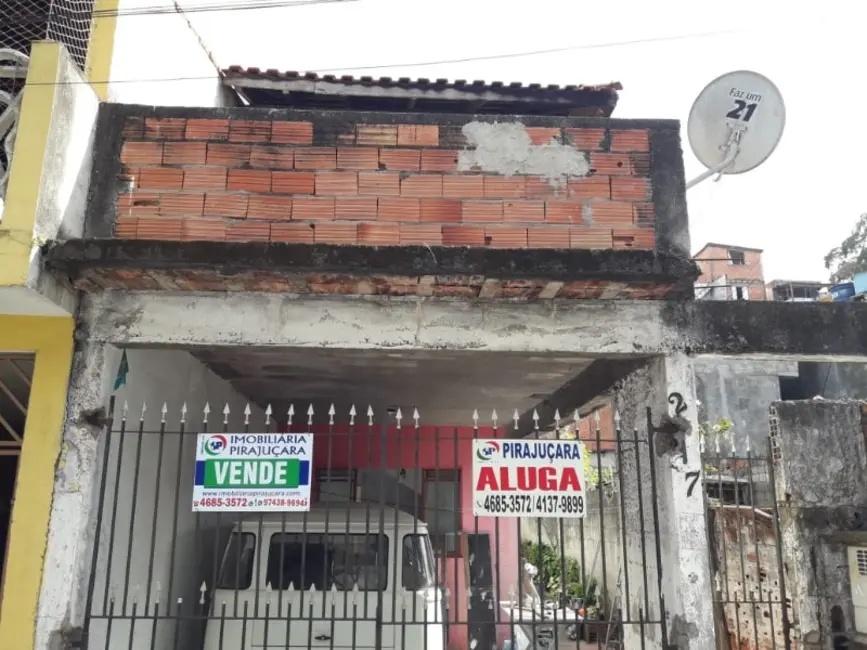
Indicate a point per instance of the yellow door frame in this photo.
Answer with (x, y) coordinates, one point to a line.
(51, 340)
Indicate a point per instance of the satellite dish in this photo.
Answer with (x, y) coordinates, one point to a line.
(735, 123)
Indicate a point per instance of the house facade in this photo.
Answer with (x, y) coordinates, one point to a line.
(399, 268)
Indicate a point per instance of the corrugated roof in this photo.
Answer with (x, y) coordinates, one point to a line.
(312, 90)
(403, 82)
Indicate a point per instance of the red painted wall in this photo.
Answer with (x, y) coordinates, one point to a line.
(430, 447)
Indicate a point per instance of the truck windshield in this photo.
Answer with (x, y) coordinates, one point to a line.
(418, 563)
(325, 560)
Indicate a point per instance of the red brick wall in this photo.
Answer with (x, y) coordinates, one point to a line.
(376, 184)
(588, 426)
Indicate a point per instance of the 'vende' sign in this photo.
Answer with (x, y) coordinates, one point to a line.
(253, 472)
(528, 478)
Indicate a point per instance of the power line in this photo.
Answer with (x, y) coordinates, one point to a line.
(425, 63)
(16, 20)
(570, 48)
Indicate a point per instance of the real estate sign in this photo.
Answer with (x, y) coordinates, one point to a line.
(253, 472)
(528, 478)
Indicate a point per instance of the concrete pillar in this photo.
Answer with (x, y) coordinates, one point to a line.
(60, 615)
(684, 582)
(687, 585)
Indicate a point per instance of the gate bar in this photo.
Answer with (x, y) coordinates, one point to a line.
(91, 582)
(655, 500)
(772, 475)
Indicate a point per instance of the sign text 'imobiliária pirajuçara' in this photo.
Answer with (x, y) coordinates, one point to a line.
(253, 472)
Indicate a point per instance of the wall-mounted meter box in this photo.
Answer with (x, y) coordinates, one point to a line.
(858, 579)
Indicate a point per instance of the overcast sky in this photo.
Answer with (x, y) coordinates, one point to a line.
(796, 206)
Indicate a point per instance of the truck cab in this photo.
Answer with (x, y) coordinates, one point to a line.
(353, 576)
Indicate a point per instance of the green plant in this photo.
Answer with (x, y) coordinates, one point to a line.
(724, 428)
(589, 464)
(551, 577)
(591, 472)
(850, 257)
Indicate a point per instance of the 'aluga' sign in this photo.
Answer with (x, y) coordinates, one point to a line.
(528, 478)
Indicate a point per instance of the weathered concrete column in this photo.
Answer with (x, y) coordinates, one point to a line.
(667, 386)
(71, 532)
(688, 591)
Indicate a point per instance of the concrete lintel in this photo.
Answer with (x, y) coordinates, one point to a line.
(593, 328)
(155, 318)
(70, 257)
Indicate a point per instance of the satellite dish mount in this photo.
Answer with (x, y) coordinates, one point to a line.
(735, 124)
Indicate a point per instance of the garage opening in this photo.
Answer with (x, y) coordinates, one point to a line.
(16, 373)
(310, 498)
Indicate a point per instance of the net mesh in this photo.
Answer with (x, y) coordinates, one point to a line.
(65, 21)
(21, 23)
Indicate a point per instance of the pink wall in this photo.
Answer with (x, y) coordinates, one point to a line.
(430, 447)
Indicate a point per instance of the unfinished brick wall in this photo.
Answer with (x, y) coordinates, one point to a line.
(750, 272)
(345, 181)
(588, 427)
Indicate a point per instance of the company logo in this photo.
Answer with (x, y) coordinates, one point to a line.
(216, 445)
(487, 450)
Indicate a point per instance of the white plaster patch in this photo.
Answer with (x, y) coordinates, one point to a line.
(505, 148)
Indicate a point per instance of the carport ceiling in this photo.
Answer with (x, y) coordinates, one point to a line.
(445, 386)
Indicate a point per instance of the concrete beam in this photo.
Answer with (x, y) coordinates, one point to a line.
(807, 331)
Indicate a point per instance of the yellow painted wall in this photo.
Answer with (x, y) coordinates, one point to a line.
(25, 174)
(22, 192)
(52, 341)
(100, 50)
(50, 338)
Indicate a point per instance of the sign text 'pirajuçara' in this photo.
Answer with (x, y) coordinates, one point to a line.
(253, 472)
(528, 478)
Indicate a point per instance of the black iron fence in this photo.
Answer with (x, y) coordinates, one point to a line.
(402, 535)
(751, 607)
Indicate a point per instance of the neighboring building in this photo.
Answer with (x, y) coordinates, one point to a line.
(36, 310)
(821, 491)
(794, 291)
(729, 273)
(47, 120)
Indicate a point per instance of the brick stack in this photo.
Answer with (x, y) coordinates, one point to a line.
(386, 184)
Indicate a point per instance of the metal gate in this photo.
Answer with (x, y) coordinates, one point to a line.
(390, 553)
(751, 608)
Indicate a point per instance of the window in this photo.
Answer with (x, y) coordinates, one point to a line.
(737, 258)
(441, 508)
(741, 293)
(861, 560)
(336, 485)
(323, 560)
(236, 571)
(417, 570)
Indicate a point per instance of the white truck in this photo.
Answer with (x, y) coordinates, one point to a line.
(350, 576)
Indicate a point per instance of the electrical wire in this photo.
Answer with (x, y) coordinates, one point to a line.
(16, 20)
(591, 46)
(570, 48)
